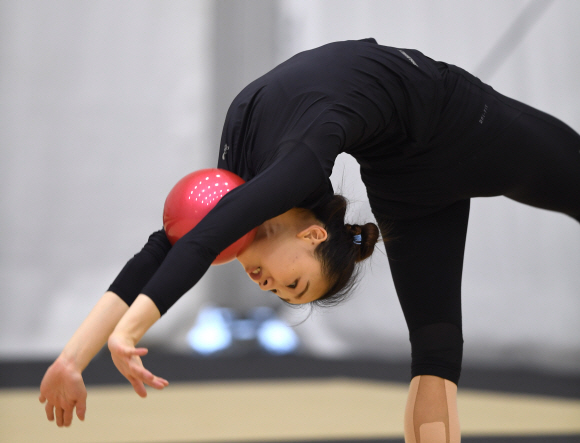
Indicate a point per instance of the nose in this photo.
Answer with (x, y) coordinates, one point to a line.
(266, 284)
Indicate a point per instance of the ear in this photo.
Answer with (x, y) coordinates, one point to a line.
(315, 233)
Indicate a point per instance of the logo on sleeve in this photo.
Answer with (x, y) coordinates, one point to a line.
(482, 118)
(226, 149)
(408, 57)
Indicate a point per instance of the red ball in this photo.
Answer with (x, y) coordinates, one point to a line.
(192, 198)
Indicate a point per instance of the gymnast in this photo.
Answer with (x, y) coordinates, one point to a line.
(428, 137)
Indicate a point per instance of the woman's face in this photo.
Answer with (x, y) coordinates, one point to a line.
(284, 263)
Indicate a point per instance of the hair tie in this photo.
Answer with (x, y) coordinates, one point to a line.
(357, 239)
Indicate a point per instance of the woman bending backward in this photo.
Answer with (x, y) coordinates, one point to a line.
(428, 137)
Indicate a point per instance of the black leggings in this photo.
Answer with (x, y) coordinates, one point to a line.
(536, 161)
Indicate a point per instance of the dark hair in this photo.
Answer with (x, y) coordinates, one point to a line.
(339, 254)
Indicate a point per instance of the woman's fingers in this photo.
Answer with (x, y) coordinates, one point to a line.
(59, 416)
(146, 377)
(64, 415)
(139, 351)
(128, 361)
(154, 381)
(159, 383)
(81, 408)
(139, 387)
(115, 345)
(63, 410)
(68, 415)
(49, 408)
(138, 371)
(130, 352)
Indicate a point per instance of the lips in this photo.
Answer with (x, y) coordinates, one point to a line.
(255, 273)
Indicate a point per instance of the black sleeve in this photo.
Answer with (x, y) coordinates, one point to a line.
(292, 178)
(141, 267)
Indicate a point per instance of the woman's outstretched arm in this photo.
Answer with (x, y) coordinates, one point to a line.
(62, 387)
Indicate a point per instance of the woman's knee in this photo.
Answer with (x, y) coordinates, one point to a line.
(437, 349)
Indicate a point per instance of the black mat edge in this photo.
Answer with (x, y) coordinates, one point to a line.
(183, 368)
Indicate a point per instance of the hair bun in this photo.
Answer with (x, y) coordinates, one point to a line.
(369, 236)
(343, 249)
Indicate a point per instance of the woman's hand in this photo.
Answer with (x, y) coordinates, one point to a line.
(63, 389)
(127, 359)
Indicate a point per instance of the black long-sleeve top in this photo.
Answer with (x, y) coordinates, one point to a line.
(282, 135)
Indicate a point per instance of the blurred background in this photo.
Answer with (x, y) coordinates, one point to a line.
(104, 105)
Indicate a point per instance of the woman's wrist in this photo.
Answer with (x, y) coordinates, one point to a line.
(120, 336)
(69, 362)
(77, 355)
(142, 314)
(92, 334)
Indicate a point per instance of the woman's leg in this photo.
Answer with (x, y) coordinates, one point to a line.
(548, 166)
(426, 261)
(431, 414)
(535, 161)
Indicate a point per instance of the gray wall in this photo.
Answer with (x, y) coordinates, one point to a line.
(104, 105)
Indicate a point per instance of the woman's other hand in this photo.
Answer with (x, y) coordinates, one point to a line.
(127, 359)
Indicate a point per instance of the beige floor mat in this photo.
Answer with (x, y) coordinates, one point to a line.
(272, 411)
